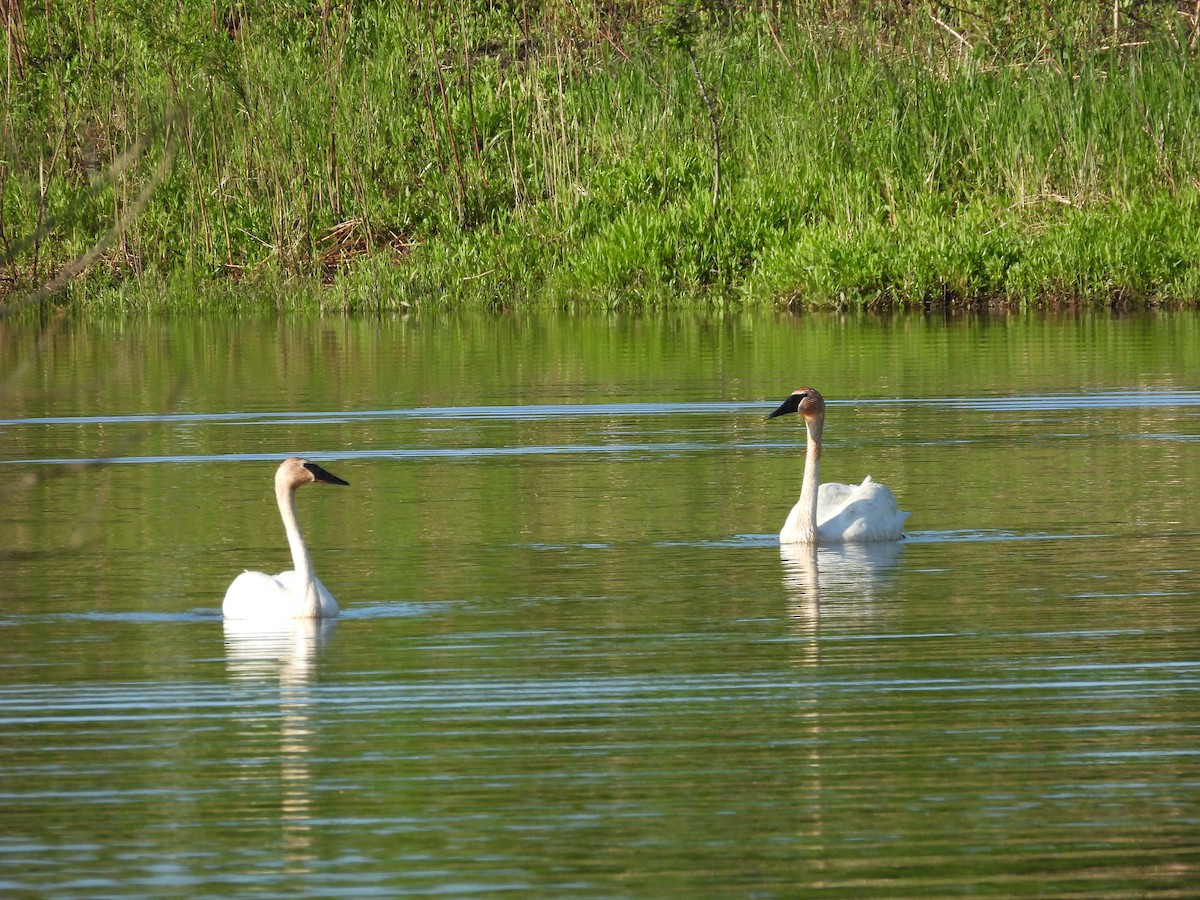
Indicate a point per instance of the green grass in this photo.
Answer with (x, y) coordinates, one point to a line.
(371, 156)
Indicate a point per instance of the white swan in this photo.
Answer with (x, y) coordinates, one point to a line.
(836, 513)
(295, 594)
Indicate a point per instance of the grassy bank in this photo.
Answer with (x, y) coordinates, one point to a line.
(374, 155)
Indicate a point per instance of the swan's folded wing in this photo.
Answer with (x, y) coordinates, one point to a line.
(864, 512)
(831, 497)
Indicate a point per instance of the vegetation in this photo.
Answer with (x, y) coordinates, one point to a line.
(369, 155)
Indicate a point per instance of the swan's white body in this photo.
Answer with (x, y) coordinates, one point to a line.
(846, 513)
(296, 593)
(835, 513)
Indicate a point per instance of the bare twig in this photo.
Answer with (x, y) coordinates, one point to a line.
(962, 40)
(773, 27)
(130, 212)
(437, 68)
(715, 123)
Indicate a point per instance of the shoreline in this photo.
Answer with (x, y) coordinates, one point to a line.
(395, 162)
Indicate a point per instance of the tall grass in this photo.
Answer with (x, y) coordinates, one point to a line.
(375, 155)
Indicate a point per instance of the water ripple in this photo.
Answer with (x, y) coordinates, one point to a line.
(1024, 402)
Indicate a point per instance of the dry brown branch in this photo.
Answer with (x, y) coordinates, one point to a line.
(100, 250)
(356, 238)
(79, 264)
(14, 30)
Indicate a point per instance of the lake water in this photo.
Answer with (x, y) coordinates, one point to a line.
(573, 660)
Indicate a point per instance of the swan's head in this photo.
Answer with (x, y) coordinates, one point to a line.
(805, 401)
(295, 471)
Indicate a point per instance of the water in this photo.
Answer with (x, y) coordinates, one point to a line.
(573, 659)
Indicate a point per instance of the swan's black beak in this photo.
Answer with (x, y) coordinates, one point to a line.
(790, 405)
(321, 476)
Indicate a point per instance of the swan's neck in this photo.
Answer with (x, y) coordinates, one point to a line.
(285, 495)
(806, 521)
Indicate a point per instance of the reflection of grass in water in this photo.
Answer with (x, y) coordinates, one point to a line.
(378, 157)
(27, 481)
(21, 487)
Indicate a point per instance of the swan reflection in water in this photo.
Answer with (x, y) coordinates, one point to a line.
(843, 585)
(271, 664)
(263, 648)
(840, 581)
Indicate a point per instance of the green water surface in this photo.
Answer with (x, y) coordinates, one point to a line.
(573, 659)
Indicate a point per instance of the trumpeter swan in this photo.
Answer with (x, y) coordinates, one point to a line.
(836, 513)
(295, 594)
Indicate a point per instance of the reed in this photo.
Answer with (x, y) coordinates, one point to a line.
(371, 156)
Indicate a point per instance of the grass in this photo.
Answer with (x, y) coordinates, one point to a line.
(375, 156)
